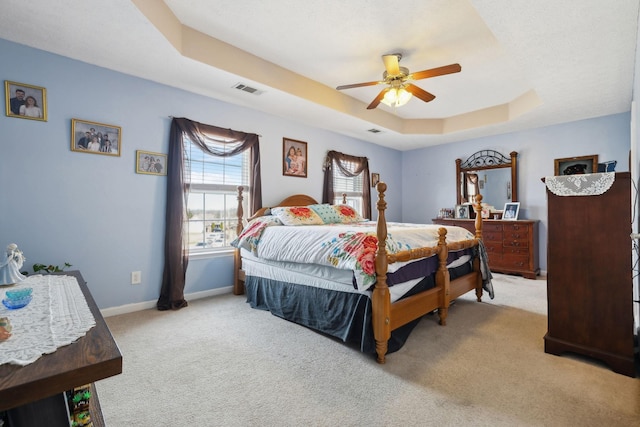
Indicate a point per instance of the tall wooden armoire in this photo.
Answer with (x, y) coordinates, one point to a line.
(589, 273)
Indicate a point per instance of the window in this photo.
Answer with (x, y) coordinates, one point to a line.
(212, 199)
(351, 186)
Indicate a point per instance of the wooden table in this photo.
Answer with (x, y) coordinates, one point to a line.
(33, 391)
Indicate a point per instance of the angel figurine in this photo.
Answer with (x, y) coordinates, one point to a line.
(11, 265)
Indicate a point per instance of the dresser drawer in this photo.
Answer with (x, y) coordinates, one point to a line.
(515, 243)
(492, 236)
(515, 261)
(516, 235)
(493, 248)
(515, 228)
(516, 250)
(489, 227)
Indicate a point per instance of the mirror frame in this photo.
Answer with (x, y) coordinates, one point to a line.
(487, 159)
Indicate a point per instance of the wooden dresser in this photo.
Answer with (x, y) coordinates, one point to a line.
(512, 246)
(589, 280)
(33, 395)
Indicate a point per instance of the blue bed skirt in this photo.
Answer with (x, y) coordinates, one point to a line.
(343, 315)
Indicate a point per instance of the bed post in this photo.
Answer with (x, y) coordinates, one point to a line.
(381, 300)
(442, 276)
(476, 262)
(478, 208)
(238, 284)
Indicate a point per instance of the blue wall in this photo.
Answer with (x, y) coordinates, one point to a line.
(608, 137)
(94, 211)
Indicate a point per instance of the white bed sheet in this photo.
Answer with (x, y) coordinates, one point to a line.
(320, 276)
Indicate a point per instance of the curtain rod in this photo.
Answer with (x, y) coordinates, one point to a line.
(171, 117)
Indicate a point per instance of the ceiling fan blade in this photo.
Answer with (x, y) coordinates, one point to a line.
(391, 64)
(419, 92)
(358, 85)
(378, 98)
(434, 72)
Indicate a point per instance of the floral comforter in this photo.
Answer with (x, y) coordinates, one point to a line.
(344, 246)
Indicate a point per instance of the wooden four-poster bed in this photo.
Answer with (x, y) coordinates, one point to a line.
(378, 318)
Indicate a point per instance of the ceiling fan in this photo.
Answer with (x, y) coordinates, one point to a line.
(398, 78)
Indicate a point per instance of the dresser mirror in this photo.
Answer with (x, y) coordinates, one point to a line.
(489, 173)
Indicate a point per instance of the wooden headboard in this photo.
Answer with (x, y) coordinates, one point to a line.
(295, 200)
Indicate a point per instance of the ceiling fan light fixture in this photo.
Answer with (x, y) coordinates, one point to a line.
(396, 97)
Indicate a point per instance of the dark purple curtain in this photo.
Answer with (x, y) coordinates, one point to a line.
(342, 161)
(176, 254)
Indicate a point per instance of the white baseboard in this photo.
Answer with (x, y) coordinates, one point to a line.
(130, 308)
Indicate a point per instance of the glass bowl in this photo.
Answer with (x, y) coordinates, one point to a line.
(13, 304)
(18, 293)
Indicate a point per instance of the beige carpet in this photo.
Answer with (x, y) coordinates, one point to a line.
(221, 363)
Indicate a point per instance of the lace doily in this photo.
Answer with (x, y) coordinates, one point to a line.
(56, 316)
(592, 184)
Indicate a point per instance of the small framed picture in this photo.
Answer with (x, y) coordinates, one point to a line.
(25, 101)
(151, 163)
(462, 211)
(375, 179)
(95, 138)
(294, 158)
(511, 211)
(576, 165)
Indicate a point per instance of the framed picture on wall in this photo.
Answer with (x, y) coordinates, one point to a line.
(511, 211)
(294, 158)
(375, 179)
(151, 163)
(576, 165)
(95, 138)
(25, 101)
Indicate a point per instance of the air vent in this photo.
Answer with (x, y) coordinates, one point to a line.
(374, 130)
(248, 89)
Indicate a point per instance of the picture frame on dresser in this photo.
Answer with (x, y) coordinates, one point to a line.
(462, 212)
(576, 165)
(511, 211)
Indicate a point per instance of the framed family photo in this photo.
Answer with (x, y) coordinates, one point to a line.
(462, 212)
(511, 211)
(151, 163)
(576, 165)
(294, 158)
(95, 138)
(25, 101)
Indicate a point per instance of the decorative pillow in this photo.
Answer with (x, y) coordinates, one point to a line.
(347, 214)
(296, 215)
(327, 213)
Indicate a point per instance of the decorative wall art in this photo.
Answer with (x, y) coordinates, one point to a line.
(95, 138)
(151, 163)
(25, 101)
(294, 158)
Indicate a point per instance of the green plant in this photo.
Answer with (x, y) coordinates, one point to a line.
(50, 268)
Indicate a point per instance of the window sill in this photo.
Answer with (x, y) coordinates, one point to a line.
(213, 253)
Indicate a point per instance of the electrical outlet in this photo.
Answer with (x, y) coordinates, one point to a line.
(136, 277)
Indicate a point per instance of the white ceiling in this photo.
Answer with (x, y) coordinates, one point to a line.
(525, 64)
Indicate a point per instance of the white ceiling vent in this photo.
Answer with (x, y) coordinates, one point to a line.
(248, 89)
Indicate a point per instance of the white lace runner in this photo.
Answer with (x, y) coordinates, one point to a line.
(56, 316)
(592, 184)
